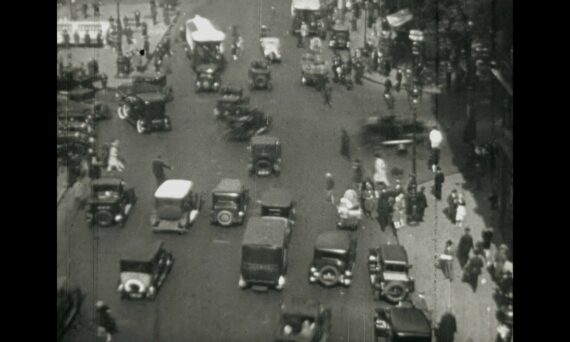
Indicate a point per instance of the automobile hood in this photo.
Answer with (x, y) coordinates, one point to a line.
(141, 277)
(396, 276)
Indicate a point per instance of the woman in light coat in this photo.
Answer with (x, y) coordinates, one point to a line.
(380, 171)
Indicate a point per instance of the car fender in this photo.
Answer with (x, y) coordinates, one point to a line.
(193, 215)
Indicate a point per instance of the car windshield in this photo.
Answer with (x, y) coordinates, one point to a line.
(395, 267)
(144, 88)
(330, 254)
(226, 200)
(136, 266)
(261, 255)
(263, 149)
(340, 35)
(155, 110)
(270, 211)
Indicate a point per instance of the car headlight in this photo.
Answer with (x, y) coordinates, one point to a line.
(151, 290)
(372, 258)
(348, 273)
(197, 83)
(241, 214)
(118, 217)
(313, 269)
(90, 151)
(216, 84)
(91, 139)
(281, 281)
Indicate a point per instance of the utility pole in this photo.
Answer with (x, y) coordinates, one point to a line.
(119, 31)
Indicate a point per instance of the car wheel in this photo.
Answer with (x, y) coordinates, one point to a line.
(121, 112)
(104, 218)
(225, 218)
(140, 127)
(395, 292)
(329, 275)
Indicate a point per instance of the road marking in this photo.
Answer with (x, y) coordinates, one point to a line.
(221, 241)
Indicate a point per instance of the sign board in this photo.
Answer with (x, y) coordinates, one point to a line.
(92, 28)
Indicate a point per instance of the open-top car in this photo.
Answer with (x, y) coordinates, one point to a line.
(265, 156)
(152, 79)
(208, 78)
(231, 105)
(271, 49)
(69, 300)
(259, 76)
(144, 106)
(264, 253)
(279, 203)
(176, 206)
(143, 269)
(229, 202)
(111, 202)
(388, 269)
(395, 324)
(333, 259)
(250, 123)
(314, 70)
(340, 37)
(303, 320)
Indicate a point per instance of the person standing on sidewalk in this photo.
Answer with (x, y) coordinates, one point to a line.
(357, 173)
(451, 210)
(344, 144)
(464, 247)
(447, 327)
(422, 203)
(473, 270)
(380, 175)
(487, 237)
(399, 78)
(158, 166)
(329, 187)
(439, 179)
(399, 211)
(445, 260)
(106, 325)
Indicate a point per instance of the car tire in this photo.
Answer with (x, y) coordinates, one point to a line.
(395, 292)
(140, 127)
(328, 269)
(225, 218)
(120, 112)
(103, 218)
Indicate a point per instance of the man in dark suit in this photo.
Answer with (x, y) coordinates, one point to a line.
(438, 179)
(158, 166)
(464, 247)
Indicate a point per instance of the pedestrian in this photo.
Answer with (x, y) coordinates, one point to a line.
(439, 179)
(344, 144)
(96, 9)
(445, 260)
(329, 187)
(380, 175)
(153, 14)
(144, 29)
(146, 47)
(451, 209)
(129, 35)
(470, 130)
(76, 38)
(137, 18)
(158, 166)
(464, 247)
(422, 203)
(357, 173)
(115, 162)
(399, 78)
(446, 328)
(87, 39)
(304, 32)
(106, 325)
(91, 67)
(461, 213)
(399, 211)
(473, 270)
(327, 94)
(387, 86)
(368, 197)
(435, 139)
(99, 38)
(487, 237)
(479, 249)
(384, 210)
(84, 9)
(78, 191)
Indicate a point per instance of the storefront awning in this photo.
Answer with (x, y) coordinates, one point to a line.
(399, 18)
(502, 80)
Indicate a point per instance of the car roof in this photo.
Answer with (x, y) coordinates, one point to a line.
(264, 140)
(333, 240)
(107, 181)
(265, 231)
(228, 185)
(394, 252)
(276, 198)
(151, 97)
(270, 40)
(409, 321)
(143, 252)
(174, 189)
(301, 306)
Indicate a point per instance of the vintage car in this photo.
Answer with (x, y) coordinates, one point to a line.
(311, 12)
(66, 107)
(204, 43)
(314, 70)
(391, 131)
(69, 300)
(393, 324)
(247, 123)
(75, 77)
(279, 203)
(77, 126)
(176, 206)
(264, 253)
(143, 106)
(152, 79)
(143, 269)
(271, 49)
(231, 90)
(208, 78)
(303, 320)
(341, 69)
(111, 202)
(231, 105)
(229, 202)
(333, 259)
(388, 269)
(259, 76)
(71, 144)
(349, 211)
(265, 156)
(340, 37)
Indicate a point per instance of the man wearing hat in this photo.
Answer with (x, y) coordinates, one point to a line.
(158, 166)
(106, 325)
(114, 162)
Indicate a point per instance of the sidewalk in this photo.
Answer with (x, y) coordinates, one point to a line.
(106, 55)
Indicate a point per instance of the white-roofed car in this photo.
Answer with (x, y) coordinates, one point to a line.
(204, 43)
(176, 206)
(271, 49)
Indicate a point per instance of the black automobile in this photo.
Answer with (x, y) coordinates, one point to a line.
(208, 78)
(250, 123)
(156, 80)
(313, 71)
(111, 202)
(82, 104)
(389, 130)
(395, 324)
(230, 105)
(141, 105)
(229, 202)
(388, 269)
(340, 37)
(265, 156)
(279, 203)
(303, 320)
(259, 76)
(333, 259)
(74, 77)
(71, 144)
(264, 253)
(69, 300)
(143, 269)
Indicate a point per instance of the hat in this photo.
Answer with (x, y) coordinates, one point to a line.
(99, 304)
(115, 143)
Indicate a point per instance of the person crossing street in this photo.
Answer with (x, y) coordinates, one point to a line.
(158, 166)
